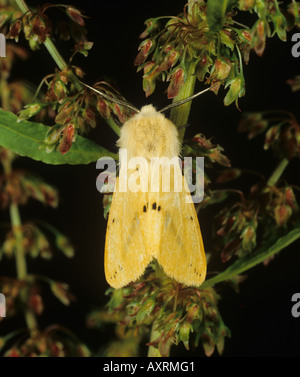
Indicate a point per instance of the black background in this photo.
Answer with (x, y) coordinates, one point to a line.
(259, 317)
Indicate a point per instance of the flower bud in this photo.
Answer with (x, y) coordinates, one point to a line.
(14, 30)
(67, 139)
(53, 134)
(29, 111)
(149, 78)
(145, 48)
(184, 333)
(280, 25)
(75, 15)
(178, 78)
(249, 238)
(282, 213)
(36, 303)
(170, 60)
(103, 108)
(259, 32)
(152, 24)
(236, 90)
(290, 197)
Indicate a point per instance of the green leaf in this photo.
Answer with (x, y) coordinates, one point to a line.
(216, 11)
(25, 139)
(250, 261)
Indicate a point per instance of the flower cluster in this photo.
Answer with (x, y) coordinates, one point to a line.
(176, 312)
(216, 50)
(282, 131)
(37, 25)
(54, 341)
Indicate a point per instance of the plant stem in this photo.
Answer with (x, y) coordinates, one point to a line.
(278, 172)
(180, 115)
(21, 265)
(242, 265)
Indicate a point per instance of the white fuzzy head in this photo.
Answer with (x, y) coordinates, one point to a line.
(149, 134)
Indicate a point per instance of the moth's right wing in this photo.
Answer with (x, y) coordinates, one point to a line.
(126, 249)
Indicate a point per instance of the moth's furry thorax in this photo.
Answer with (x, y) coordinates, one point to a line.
(149, 134)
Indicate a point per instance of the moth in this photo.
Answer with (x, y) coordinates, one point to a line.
(152, 224)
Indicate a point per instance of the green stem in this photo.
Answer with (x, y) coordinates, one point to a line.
(278, 172)
(21, 265)
(242, 265)
(180, 115)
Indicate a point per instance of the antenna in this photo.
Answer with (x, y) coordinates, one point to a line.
(112, 99)
(185, 100)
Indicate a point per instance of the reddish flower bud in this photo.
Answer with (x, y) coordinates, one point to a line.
(246, 35)
(39, 29)
(177, 81)
(151, 24)
(36, 303)
(149, 79)
(14, 30)
(145, 48)
(90, 117)
(170, 60)
(75, 15)
(290, 197)
(67, 139)
(259, 33)
(222, 68)
(282, 213)
(103, 108)
(64, 114)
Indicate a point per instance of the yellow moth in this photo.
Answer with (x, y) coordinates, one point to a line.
(152, 224)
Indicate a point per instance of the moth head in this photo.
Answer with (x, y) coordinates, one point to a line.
(149, 134)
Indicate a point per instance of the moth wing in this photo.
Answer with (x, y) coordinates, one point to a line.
(181, 253)
(126, 250)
